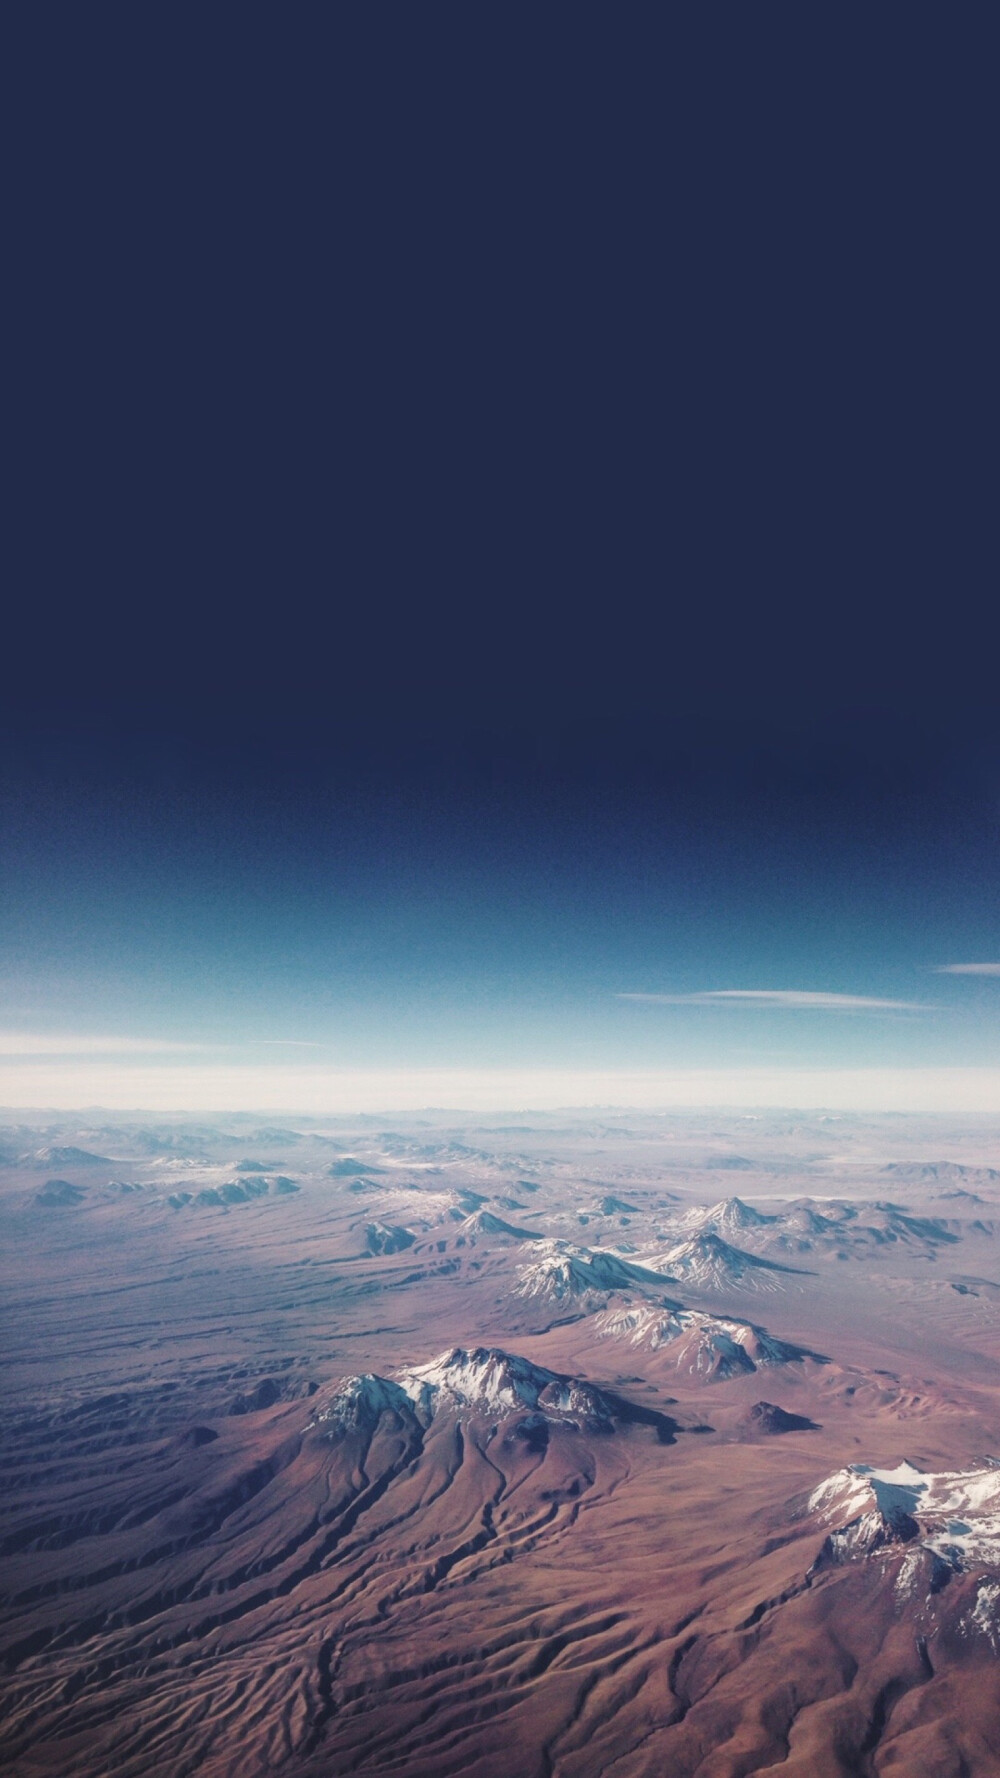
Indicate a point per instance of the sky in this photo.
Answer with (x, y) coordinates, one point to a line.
(505, 570)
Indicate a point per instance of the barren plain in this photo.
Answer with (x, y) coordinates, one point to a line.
(563, 1445)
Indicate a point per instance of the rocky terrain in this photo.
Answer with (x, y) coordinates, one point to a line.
(431, 1449)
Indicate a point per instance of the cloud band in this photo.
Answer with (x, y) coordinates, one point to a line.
(967, 969)
(792, 999)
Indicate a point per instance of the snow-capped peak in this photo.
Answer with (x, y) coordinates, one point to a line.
(561, 1270)
(730, 1216)
(954, 1513)
(708, 1261)
(705, 1345)
(483, 1379)
(497, 1381)
(360, 1402)
(483, 1222)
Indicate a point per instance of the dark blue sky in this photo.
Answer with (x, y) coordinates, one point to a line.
(504, 520)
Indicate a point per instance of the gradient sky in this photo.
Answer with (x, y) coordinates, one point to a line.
(429, 928)
(503, 602)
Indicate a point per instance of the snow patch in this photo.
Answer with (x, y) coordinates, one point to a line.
(985, 1614)
(562, 1271)
(703, 1344)
(483, 1380)
(713, 1264)
(360, 1402)
(489, 1379)
(955, 1513)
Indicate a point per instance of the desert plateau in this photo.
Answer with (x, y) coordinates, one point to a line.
(633, 1444)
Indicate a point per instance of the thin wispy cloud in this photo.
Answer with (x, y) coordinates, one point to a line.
(967, 969)
(88, 1043)
(83, 1043)
(793, 999)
